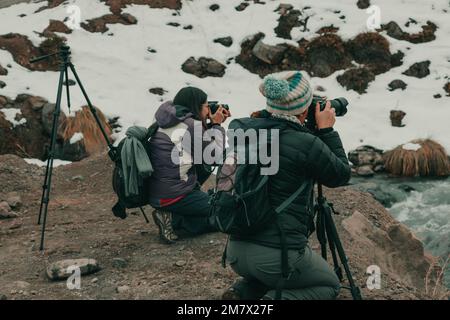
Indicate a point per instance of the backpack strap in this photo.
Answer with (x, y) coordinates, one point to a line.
(291, 198)
(284, 250)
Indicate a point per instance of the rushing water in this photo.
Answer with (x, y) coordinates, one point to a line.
(421, 204)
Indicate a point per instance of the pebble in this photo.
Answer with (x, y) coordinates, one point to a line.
(180, 263)
(122, 289)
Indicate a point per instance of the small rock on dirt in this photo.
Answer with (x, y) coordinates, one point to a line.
(119, 263)
(5, 211)
(60, 270)
(122, 289)
(180, 263)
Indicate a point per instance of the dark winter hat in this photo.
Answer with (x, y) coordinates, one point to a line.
(191, 98)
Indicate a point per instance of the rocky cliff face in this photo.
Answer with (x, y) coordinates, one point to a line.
(80, 225)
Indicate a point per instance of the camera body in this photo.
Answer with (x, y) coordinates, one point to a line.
(338, 104)
(214, 106)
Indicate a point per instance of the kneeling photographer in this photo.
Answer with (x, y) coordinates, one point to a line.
(174, 187)
(305, 156)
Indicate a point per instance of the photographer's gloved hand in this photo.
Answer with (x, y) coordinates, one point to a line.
(325, 119)
(220, 116)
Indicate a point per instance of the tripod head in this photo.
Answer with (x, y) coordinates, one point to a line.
(63, 52)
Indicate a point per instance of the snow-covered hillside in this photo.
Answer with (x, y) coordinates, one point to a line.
(118, 70)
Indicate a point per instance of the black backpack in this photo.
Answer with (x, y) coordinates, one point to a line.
(118, 183)
(240, 202)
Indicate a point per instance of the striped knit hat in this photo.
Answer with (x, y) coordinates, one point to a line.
(287, 92)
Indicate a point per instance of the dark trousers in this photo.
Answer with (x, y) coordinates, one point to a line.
(311, 277)
(191, 214)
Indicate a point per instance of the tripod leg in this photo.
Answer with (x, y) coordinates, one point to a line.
(44, 190)
(67, 87)
(337, 268)
(356, 293)
(145, 216)
(47, 185)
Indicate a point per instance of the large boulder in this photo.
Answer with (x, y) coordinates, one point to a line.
(372, 50)
(326, 54)
(267, 53)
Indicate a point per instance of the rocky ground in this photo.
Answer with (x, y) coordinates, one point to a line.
(134, 265)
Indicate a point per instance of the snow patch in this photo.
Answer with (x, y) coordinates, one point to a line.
(10, 115)
(77, 136)
(40, 163)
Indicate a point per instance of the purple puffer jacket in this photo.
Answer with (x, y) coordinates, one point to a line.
(174, 147)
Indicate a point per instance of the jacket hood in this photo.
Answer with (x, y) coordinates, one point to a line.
(166, 115)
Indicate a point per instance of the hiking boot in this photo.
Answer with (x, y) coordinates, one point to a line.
(231, 294)
(163, 220)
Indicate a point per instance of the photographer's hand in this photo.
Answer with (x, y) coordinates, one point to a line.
(220, 116)
(325, 118)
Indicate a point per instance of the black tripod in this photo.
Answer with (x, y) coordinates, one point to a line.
(64, 54)
(327, 229)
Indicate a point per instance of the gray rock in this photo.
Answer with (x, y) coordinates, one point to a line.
(365, 171)
(180, 263)
(47, 118)
(119, 263)
(3, 297)
(214, 7)
(397, 84)
(77, 178)
(14, 200)
(226, 41)
(363, 4)
(268, 54)
(393, 30)
(366, 155)
(203, 67)
(2, 84)
(6, 212)
(21, 285)
(37, 103)
(58, 270)
(419, 70)
(122, 289)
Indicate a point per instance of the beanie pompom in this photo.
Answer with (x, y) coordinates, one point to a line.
(275, 89)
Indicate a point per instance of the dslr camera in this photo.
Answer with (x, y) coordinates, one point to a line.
(338, 104)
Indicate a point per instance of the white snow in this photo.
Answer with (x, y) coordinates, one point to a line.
(411, 146)
(117, 70)
(77, 136)
(40, 163)
(10, 115)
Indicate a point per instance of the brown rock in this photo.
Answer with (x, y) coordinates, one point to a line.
(3, 71)
(56, 26)
(23, 50)
(356, 79)
(158, 91)
(99, 24)
(116, 6)
(326, 54)
(397, 117)
(5, 211)
(447, 88)
(288, 20)
(372, 50)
